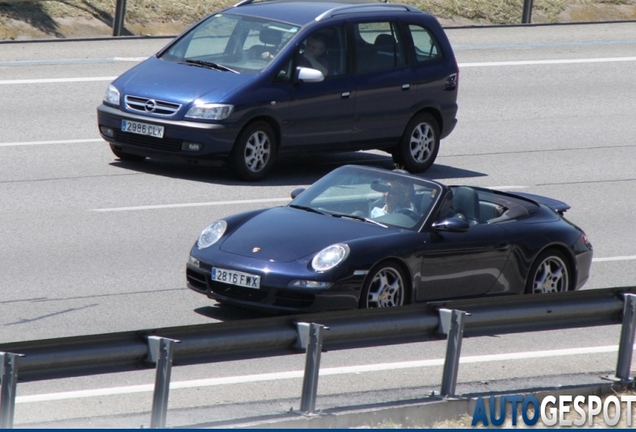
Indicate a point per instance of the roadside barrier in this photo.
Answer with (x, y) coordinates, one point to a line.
(120, 13)
(311, 333)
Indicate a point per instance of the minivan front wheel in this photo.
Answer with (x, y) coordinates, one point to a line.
(419, 145)
(254, 151)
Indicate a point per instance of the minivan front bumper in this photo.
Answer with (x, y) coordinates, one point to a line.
(216, 140)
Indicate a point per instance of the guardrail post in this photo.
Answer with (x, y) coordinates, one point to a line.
(626, 345)
(526, 14)
(118, 22)
(310, 338)
(451, 324)
(160, 351)
(8, 383)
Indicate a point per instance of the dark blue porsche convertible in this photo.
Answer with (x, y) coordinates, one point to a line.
(364, 237)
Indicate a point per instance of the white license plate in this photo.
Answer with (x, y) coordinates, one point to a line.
(236, 278)
(142, 128)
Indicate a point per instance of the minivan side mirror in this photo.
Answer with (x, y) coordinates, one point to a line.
(308, 74)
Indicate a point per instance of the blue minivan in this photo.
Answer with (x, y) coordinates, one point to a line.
(272, 77)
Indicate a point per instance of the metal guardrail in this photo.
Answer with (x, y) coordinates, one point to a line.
(120, 13)
(268, 337)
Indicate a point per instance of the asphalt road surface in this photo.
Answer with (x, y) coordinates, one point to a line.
(90, 244)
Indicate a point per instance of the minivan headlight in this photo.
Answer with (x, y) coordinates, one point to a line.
(330, 257)
(210, 111)
(211, 234)
(112, 95)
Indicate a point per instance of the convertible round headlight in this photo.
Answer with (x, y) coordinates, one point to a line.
(330, 257)
(211, 234)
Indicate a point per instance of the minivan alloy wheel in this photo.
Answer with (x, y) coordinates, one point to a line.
(422, 142)
(257, 151)
(254, 151)
(418, 148)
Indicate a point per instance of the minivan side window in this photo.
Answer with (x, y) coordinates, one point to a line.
(426, 47)
(378, 46)
(324, 50)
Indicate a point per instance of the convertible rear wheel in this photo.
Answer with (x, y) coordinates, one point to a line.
(549, 273)
(384, 287)
(254, 151)
(419, 145)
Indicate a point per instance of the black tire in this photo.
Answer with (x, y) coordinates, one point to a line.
(254, 151)
(385, 286)
(126, 156)
(419, 145)
(549, 273)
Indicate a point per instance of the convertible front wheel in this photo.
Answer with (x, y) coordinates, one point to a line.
(384, 287)
(549, 273)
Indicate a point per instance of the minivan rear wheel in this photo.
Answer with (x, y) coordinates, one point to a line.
(419, 145)
(254, 151)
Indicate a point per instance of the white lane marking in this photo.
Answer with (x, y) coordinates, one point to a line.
(616, 258)
(30, 143)
(461, 65)
(547, 62)
(21, 63)
(504, 188)
(129, 59)
(211, 382)
(200, 204)
(56, 80)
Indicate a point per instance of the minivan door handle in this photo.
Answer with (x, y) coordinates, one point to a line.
(345, 94)
(406, 86)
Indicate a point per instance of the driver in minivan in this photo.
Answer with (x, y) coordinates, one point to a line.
(314, 54)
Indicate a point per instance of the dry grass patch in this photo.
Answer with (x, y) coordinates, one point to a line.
(147, 12)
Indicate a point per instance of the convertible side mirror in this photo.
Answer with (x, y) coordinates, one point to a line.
(451, 225)
(297, 192)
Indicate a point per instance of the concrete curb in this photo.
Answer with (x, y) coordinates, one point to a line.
(425, 413)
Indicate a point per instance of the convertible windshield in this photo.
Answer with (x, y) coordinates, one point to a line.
(387, 198)
(232, 43)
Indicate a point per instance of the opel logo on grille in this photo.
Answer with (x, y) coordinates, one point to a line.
(150, 105)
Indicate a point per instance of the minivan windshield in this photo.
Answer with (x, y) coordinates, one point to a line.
(231, 43)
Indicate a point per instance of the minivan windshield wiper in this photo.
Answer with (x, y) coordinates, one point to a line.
(211, 65)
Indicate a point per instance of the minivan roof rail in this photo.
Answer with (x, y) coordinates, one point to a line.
(369, 6)
(246, 2)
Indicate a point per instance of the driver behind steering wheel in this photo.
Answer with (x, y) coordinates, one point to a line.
(397, 200)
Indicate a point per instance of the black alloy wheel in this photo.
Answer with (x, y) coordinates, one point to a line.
(385, 286)
(549, 273)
